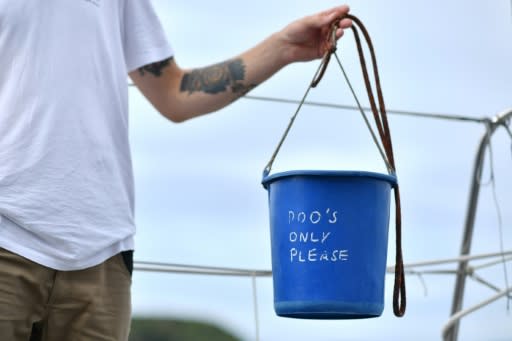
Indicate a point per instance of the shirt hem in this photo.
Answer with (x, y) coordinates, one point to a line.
(66, 265)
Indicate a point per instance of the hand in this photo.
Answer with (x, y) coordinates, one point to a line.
(308, 38)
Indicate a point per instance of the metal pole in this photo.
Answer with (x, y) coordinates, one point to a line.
(451, 333)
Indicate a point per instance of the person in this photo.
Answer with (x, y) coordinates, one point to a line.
(66, 187)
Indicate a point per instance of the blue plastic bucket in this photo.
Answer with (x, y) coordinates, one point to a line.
(329, 238)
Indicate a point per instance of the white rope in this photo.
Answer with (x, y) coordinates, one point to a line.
(200, 267)
(482, 281)
(470, 270)
(198, 270)
(486, 265)
(226, 271)
(430, 272)
(452, 260)
(456, 317)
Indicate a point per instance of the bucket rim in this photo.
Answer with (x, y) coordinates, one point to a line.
(390, 178)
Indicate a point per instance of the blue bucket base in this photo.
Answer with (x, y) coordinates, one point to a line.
(328, 310)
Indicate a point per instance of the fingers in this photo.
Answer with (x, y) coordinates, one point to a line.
(334, 13)
(345, 23)
(339, 33)
(342, 25)
(326, 17)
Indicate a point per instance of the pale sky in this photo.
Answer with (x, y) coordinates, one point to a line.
(198, 193)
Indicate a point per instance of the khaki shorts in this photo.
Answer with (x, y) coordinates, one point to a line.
(41, 304)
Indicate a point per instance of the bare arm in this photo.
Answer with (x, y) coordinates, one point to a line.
(183, 94)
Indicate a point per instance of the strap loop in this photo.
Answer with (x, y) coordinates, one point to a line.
(332, 46)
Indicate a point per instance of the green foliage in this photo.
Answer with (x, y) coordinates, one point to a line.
(149, 329)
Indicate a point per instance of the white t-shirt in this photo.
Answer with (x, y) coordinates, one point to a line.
(66, 183)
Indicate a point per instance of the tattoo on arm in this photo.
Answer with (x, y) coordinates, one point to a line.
(155, 68)
(217, 78)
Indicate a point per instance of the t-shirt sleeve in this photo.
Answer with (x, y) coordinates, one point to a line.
(144, 38)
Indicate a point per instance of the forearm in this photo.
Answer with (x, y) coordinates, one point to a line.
(210, 88)
(183, 94)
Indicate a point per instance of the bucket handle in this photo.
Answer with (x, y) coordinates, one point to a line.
(381, 122)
